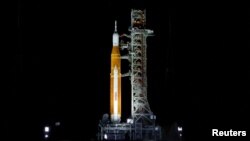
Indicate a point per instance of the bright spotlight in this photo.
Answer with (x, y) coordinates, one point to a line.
(179, 129)
(46, 129)
(130, 121)
(46, 136)
(105, 136)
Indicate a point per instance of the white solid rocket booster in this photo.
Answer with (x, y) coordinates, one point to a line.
(116, 117)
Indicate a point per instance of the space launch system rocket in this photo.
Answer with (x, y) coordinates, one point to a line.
(115, 80)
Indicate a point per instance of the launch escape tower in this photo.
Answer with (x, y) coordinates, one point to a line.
(142, 123)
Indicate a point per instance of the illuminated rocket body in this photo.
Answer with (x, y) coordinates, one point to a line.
(115, 80)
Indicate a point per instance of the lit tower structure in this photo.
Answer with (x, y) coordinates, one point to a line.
(141, 125)
(140, 109)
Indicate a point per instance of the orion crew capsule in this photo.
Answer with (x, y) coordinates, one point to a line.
(115, 80)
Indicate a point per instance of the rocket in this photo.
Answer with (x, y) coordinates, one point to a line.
(115, 80)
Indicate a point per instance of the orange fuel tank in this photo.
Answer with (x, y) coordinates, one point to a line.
(115, 80)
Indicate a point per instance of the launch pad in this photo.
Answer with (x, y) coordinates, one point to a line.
(129, 131)
(126, 131)
(142, 124)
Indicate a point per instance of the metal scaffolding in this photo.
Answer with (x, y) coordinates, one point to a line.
(140, 109)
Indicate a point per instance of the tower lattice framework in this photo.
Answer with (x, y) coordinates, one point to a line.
(140, 109)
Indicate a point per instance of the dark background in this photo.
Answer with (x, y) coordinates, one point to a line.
(58, 70)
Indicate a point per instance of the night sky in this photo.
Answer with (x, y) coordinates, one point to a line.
(59, 65)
